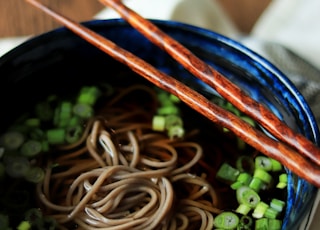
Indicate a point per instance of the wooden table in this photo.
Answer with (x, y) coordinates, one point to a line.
(18, 18)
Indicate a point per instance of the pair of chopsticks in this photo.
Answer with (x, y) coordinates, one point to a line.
(292, 149)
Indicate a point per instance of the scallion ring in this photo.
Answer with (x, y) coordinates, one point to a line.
(226, 220)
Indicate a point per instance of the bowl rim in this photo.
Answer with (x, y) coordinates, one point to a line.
(203, 32)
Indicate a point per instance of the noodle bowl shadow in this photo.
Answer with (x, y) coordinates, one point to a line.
(58, 61)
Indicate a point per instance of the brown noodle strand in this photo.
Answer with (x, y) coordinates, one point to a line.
(119, 121)
(135, 149)
(159, 164)
(76, 167)
(72, 155)
(81, 140)
(123, 175)
(201, 205)
(198, 155)
(183, 220)
(119, 183)
(127, 225)
(46, 181)
(49, 203)
(110, 150)
(94, 153)
(195, 180)
(132, 89)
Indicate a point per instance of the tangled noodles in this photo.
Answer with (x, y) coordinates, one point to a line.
(133, 158)
(123, 175)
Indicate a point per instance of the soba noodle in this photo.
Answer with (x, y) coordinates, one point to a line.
(123, 175)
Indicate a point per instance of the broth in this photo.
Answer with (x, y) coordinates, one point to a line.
(119, 143)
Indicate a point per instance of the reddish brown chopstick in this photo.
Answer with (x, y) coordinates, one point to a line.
(289, 157)
(222, 85)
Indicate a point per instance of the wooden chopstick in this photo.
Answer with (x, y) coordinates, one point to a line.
(285, 154)
(222, 85)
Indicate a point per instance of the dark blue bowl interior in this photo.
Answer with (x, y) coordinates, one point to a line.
(58, 61)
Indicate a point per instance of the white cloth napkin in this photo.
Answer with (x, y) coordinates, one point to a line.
(202, 13)
(291, 23)
(8, 43)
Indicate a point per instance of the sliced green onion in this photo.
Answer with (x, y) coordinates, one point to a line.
(245, 164)
(73, 134)
(236, 185)
(263, 163)
(230, 107)
(158, 123)
(226, 220)
(65, 110)
(271, 213)
(164, 99)
(168, 110)
(274, 224)
(174, 98)
(262, 175)
(24, 225)
(31, 148)
(227, 173)
(246, 221)
(16, 166)
(249, 120)
(262, 224)
(63, 114)
(276, 165)
(173, 120)
(277, 204)
(12, 140)
(83, 110)
(56, 136)
(74, 121)
(244, 178)
(260, 210)
(247, 196)
(34, 174)
(89, 95)
(283, 180)
(175, 132)
(243, 209)
(32, 122)
(256, 184)
(225, 130)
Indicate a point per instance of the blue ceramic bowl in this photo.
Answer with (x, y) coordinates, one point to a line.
(59, 60)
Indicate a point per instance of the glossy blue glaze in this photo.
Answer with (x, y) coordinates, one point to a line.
(35, 66)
